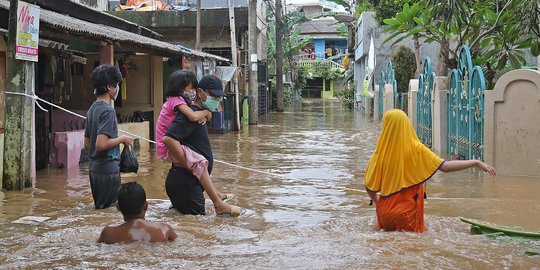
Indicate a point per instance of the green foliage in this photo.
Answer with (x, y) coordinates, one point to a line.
(361, 7)
(348, 75)
(343, 3)
(292, 42)
(343, 31)
(497, 32)
(346, 95)
(383, 8)
(319, 69)
(331, 73)
(404, 64)
(302, 77)
(407, 19)
(287, 94)
(388, 8)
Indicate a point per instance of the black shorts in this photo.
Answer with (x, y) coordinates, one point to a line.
(104, 188)
(185, 191)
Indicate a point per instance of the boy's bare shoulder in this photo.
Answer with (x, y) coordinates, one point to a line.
(156, 224)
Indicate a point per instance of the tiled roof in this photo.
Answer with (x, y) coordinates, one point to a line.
(85, 28)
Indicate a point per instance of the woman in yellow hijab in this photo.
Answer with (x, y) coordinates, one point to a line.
(398, 169)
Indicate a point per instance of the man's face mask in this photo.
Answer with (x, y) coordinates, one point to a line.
(211, 103)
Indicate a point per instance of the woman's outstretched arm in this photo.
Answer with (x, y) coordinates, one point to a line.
(458, 165)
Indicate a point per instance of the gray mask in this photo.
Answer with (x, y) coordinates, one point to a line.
(189, 97)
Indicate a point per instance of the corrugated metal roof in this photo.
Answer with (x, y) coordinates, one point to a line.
(85, 28)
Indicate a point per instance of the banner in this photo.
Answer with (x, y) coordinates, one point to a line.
(27, 39)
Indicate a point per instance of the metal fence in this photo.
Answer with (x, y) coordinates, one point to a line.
(423, 108)
(400, 99)
(465, 109)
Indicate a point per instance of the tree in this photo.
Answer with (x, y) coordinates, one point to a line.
(404, 62)
(383, 8)
(497, 32)
(405, 19)
(292, 43)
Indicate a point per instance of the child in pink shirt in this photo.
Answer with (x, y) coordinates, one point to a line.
(180, 94)
(182, 85)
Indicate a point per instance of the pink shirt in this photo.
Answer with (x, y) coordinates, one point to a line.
(166, 117)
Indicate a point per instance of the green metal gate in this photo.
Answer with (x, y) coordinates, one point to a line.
(465, 109)
(423, 106)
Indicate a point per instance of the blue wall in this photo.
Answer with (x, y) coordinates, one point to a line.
(319, 48)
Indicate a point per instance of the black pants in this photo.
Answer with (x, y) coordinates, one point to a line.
(185, 191)
(104, 188)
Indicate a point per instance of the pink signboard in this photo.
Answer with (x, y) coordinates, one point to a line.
(27, 39)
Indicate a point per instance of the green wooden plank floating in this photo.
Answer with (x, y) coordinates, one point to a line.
(478, 227)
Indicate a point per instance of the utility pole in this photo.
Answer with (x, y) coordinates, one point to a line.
(279, 58)
(253, 83)
(234, 83)
(198, 27)
(18, 154)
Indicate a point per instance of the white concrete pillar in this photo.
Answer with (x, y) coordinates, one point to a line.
(412, 99)
(368, 105)
(439, 123)
(388, 98)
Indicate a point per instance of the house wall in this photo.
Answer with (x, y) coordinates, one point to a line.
(368, 27)
(311, 11)
(144, 88)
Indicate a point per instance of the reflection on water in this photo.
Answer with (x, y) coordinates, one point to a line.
(315, 216)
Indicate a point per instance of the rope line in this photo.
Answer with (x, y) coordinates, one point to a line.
(35, 98)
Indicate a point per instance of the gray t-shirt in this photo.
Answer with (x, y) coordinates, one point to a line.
(101, 119)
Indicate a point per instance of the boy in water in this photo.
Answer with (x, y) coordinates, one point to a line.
(101, 137)
(132, 203)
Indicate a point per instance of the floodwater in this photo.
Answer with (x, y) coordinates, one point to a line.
(315, 216)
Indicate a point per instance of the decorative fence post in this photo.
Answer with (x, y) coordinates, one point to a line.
(391, 79)
(399, 98)
(466, 109)
(423, 107)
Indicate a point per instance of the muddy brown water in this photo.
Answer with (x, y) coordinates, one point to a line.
(313, 217)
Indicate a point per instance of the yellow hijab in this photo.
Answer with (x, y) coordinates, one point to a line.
(400, 160)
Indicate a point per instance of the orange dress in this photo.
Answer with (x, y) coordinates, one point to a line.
(397, 171)
(402, 211)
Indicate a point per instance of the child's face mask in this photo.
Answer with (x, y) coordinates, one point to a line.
(189, 97)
